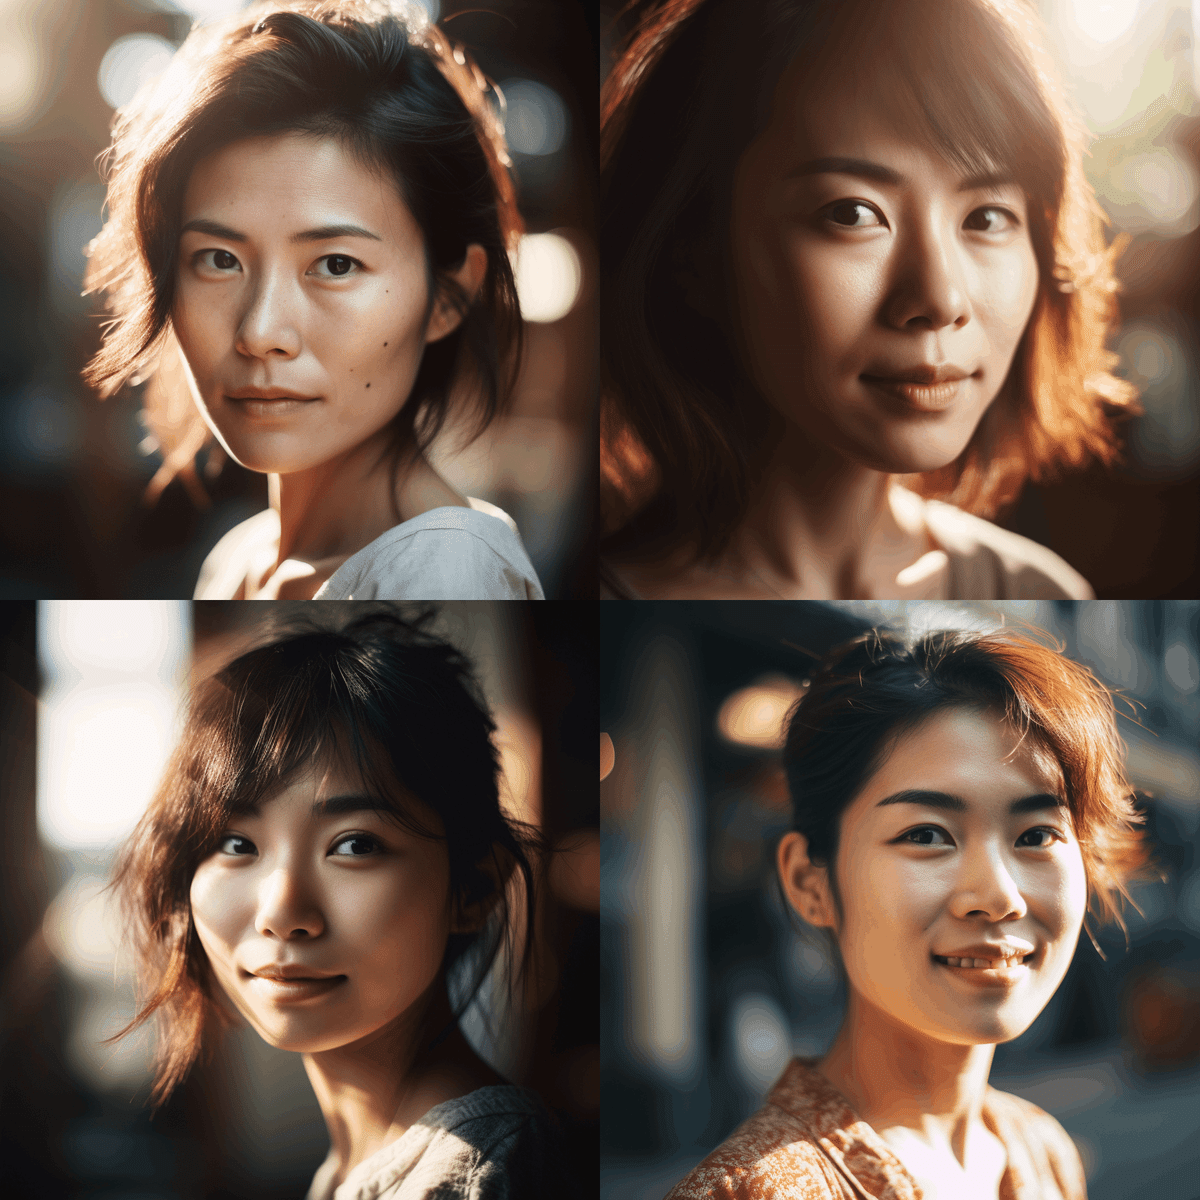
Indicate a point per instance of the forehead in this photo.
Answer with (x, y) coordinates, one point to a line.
(290, 181)
(965, 752)
(865, 110)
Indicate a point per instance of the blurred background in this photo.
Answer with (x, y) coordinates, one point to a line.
(73, 470)
(1132, 68)
(707, 989)
(89, 705)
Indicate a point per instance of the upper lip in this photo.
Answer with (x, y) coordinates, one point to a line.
(1010, 949)
(926, 373)
(293, 971)
(253, 393)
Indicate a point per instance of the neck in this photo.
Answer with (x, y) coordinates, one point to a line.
(334, 509)
(894, 1075)
(372, 1090)
(818, 523)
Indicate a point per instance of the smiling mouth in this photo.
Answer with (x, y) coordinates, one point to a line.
(986, 968)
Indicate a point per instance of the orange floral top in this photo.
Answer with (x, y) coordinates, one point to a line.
(806, 1143)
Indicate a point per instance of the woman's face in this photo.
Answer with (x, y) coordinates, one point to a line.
(880, 296)
(300, 272)
(317, 881)
(956, 842)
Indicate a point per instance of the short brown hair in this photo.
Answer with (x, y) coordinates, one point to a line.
(392, 699)
(681, 424)
(402, 100)
(866, 693)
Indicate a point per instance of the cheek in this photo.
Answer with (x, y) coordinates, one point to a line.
(216, 913)
(1010, 290)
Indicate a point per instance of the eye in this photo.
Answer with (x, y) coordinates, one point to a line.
(236, 837)
(1051, 833)
(854, 214)
(360, 840)
(338, 266)
(923, 836)
(992, 219)
(221, 261)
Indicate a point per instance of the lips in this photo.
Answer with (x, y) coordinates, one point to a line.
(250, 393)
(926, 374)
(294, 971)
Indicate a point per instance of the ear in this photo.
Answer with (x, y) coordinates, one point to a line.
(805, 884)
(469, 913)
(447, 316)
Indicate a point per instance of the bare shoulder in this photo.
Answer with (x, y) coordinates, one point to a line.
(767, 1156)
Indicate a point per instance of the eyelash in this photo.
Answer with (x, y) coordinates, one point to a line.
(905, 836)
(349, 837)
(225, 271)
(826, 214)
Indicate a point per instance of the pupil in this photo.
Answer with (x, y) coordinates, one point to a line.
(336, 264)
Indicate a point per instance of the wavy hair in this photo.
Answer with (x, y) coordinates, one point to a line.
(393, 700)
(867, 693)
(682, 427)
(397, 95)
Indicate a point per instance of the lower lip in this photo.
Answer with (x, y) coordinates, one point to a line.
(988, 976)
(270, 408)
(296, 989)
(921, 397)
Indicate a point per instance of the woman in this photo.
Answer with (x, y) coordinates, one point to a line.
(307, 248)
(327, 856)
(958, 806)
(869, 255)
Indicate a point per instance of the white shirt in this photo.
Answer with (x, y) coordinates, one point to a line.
(447, 553)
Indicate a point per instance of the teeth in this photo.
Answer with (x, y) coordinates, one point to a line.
(992, 964)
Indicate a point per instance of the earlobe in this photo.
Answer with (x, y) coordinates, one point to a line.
(448, 309)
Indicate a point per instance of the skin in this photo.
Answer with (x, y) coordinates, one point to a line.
(357, 895)
(340, 318)
(834, 275)
(914, 1052)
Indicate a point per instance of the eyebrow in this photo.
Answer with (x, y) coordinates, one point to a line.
(322, 233)
(951, 803)
(878, 173)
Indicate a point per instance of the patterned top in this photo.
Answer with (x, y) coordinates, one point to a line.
(806, 1143)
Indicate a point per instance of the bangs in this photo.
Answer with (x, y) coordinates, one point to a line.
(297, 705)
(971, 92)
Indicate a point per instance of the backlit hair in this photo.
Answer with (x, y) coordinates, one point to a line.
(389, 87)
(682, 426)
(387, 698)
(867, 694)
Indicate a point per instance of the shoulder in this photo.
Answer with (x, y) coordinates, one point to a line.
(770, 1154)
(497, 1143)
(1035, 1140)
(447, 553)
(990, 563)
(224, 567)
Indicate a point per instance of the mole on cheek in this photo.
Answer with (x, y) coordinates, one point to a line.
(368, 385)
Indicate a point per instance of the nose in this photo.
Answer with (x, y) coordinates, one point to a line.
(268, 328)
(985, 888)
(929, 292)
(286, 909)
